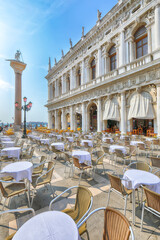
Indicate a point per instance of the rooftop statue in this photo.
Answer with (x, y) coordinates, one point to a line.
(62, 53)
(70, 41)
(17, 55)
(82, 31)
(99, 15)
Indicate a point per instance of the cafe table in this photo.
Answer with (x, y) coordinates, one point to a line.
(50, 225)
(11, 152)
(58, 145)
(134, 178)
(135, 143)
(45, 141)
(83, 156)
(70, 139)
(112, 148)
(90, 143)
(8, 143)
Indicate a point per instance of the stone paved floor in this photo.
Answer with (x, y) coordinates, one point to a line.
(99, 187)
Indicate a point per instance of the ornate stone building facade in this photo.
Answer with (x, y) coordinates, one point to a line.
(111, 77)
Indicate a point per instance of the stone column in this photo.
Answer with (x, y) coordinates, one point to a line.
(158, 110)
(131, 50)
(157, 26)
(63, 85)
(56, 89)
(18, 68)
(63, 119)
(56, 119)
(99, 116)
(99, 63)
(122, 50)
(149, 40)
(49, 120)
(123, 113)
(83, 117)
(82, 73)
(71, 118)
(71, 79)
(49, 93)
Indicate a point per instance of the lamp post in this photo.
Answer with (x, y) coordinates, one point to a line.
(25, 107)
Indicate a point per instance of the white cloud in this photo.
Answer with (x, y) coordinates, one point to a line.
(5, 85)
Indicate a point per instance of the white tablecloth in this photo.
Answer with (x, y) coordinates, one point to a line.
(45, 141)
(90, 143)
(19, 170)
(4, 138)
(51, 225)
(34, 137)
(58, 146)
(76, 134)
(113, 147)
(138, 177)
(51, 134)
(105, 138)
(59, 136)
(70, 139)
(89, 136)
(135, 143)
(11, 152)
(8, 143)
(83, 156)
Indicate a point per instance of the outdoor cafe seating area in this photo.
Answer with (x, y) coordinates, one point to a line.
(107, 178)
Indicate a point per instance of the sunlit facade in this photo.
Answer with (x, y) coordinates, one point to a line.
(110, 80)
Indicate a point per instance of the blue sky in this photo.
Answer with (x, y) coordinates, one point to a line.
(39, 29)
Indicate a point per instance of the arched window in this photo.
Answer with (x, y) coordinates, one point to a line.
(113, 58)
(93, 69)
(141, 41)
(67, 83)
(79, 77)
(60, 88)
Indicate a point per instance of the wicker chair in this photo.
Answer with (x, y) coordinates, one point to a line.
(38, 169)
(43, 179)
(152, 204)
(139, 165)
(107, 152)
(12, 189)
(81, 166)
(99, 161)
(133, 151)
(68, 163)
(117, 187)
(10, 237)
(116, 225)
(155, 162)
(122, 156)
(83, 204)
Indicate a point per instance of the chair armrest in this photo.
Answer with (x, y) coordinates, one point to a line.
(55, 199)
(79, 224)
(19, 210)
(45, 173)
(100, 157)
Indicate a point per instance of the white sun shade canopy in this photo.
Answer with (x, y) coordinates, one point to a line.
(111, 111)
(141, 106)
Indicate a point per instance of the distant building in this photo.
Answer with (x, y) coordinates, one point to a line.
(111, 78)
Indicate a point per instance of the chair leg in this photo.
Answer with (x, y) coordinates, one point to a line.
(108, 196)
(87, 235)
(27, 193)
(142, 216)
(80, 178)
(51, 189)
(4, 203)
(125, 206)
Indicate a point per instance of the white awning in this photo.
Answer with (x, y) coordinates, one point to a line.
(141, 106)
(111, 111)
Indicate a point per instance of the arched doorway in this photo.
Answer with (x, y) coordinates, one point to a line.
(68, 120)
(93, 117)
(53, 122)
(78, 120)
(60, 119)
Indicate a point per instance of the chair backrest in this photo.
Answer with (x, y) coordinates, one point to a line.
(106, 150)
(143, 166)
(155, 162)
(133, 150)
(153, 199)
(115, 182)
(99, 155)
(50, 168)
(141, 146)
(76, 162)
(85, 144)
(116, 225)
(83, 201)
(119, 153)
(3, 190)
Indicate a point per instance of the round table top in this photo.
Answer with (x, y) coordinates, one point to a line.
(11, 149)
(51, 225)
(5, 142)
(17, 166)
(113, 147)
(137, 178)
(57, 144)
